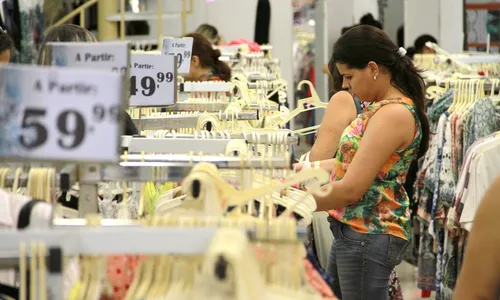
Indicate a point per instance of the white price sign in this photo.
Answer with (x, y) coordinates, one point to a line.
(113, 56)
(62, 114)
(182, 49)
(153, 80)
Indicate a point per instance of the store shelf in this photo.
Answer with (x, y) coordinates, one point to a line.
(143, 16)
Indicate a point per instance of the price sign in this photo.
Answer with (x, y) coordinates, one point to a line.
(60, 113)
(113, 56)
(153, 80)
(182, 49)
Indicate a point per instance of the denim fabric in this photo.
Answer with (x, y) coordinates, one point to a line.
(361, 264)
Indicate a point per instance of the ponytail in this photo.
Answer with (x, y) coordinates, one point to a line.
(221, 68)
(407, 79)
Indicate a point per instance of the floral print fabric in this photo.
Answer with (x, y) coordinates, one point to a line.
(384, 207)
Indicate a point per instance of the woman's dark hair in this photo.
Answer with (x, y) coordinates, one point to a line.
(363, 44)
(6, 42)
(421, 40)
(209, 32)
(208, 56)
(368, 19)
(336, 79)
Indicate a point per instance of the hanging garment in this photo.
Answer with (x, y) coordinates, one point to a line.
(32, 27)
(262, 22)
(11, 21)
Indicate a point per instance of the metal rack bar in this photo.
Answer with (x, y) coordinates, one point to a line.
(134, 144)
(179, 121)
(177, 145)
(216, 107)
(109, 240)
(205, 86)
(161, 168)
(222, 162)
(270, 85)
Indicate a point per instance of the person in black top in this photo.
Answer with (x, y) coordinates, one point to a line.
(74, 33)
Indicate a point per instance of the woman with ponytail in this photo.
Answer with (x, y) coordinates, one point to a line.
(367, 204)
(205, 63)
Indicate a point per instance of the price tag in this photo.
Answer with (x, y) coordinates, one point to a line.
(153, 80)
(114, 56)
(181, 48)
(62, 114)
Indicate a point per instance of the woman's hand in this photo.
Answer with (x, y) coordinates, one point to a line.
(326, 165)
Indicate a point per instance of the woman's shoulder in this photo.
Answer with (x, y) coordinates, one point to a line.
(342, 96)
(343, 99)
(401, 100)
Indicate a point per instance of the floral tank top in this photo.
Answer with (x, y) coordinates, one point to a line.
(384, 209)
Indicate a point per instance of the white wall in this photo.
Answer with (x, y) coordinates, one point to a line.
(362, 7)
(393, 18)
(443, 20)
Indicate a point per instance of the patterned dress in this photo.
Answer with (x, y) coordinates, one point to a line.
(384, 207)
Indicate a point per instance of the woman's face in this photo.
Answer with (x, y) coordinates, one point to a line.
(359, 82)
(5, 56)
(195, 70)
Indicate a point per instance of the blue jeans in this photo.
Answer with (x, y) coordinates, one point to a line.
(361, 264)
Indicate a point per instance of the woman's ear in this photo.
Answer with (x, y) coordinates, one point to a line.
(374, 68)
(195, 61)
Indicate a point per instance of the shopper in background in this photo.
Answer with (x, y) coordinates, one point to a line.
(6, 46)
(479, 277)
(205, 63)
(211, 34)
(367, 19)
(419, 46)
(367, 202)
(73, 33)
(401, 36)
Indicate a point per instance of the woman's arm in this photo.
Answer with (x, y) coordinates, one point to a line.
(390, 129)
(339, 114)
(479, 278)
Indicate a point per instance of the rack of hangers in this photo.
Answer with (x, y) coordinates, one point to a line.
(44, 251)
(175, 121)
(463, 112)
(215, 107)
(19, 177)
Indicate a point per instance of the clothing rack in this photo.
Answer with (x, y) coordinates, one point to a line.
(488, 85)
(187, 141)
(189, 121)
(65, 178)
(213, 86)
(160, 168)
(108, 240)
(216, 107)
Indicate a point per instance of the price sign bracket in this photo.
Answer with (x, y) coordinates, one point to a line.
(182, 49)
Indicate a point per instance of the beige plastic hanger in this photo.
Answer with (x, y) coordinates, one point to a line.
(23, 288)
(303, 105)
(42, 269)
(33, 269)
(230, 250)
(96, 266)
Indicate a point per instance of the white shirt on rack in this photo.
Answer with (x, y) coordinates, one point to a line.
(485, 167)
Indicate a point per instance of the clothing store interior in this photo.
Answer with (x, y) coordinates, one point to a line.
(349, 148)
